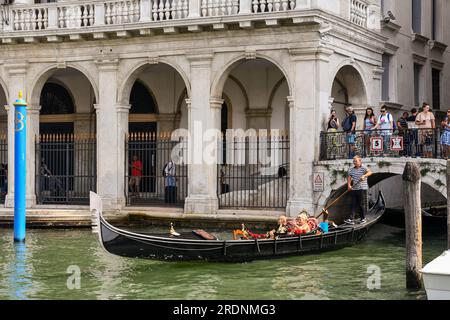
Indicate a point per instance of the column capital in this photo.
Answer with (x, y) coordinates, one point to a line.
(291, 101)
(123, 108)
(216, 103)
(188, 103)
(31, 109)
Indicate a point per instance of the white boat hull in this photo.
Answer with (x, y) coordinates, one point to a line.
(436, 276)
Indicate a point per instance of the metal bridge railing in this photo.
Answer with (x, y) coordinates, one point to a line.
(424, 143)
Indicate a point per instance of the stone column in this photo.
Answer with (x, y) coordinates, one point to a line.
(16, 82)
(110, 137)
(204, 114)
(308, 107)
(360, 112)
(32, 133)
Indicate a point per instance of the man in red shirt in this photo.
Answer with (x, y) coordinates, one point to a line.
(136, 174)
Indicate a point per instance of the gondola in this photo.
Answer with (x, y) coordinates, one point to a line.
(188, 247)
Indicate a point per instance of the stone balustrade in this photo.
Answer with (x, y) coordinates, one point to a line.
(78, 15)
(359, 12)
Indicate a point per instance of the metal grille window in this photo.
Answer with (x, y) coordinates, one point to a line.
(256, 172)
(65, 168)
(155, 173)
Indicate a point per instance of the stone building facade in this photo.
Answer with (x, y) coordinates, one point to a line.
(275, 65)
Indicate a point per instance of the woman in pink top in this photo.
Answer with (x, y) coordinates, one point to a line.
(425, 120)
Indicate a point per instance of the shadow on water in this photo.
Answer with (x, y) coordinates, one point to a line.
(39, 271)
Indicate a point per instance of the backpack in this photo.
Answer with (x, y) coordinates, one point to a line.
(347, 124)
(164, 169)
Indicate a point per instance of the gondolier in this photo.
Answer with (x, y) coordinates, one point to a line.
(358, 176)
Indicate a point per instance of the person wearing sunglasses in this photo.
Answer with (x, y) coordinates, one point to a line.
(386, 124)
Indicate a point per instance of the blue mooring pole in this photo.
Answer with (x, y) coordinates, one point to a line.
(20, 147)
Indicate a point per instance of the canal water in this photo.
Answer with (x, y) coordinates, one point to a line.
(40, 271)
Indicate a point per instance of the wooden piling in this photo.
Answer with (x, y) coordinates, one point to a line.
(413, 225)
(448, 204)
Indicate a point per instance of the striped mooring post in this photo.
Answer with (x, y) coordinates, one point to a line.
(20, 147)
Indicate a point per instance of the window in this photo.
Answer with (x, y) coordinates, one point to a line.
(433, 20)
(417, 71)
(417, 16)
(385, 79)
(436, 87)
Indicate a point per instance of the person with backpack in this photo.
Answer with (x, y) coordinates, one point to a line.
(349, 127)
(169, 172)
(386, 124)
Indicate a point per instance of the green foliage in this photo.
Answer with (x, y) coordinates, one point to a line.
(424, 172)
(383, 164)
(439, 183)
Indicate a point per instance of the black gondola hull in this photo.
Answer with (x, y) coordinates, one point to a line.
(133, 245)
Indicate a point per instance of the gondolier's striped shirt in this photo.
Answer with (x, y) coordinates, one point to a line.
(356, 174)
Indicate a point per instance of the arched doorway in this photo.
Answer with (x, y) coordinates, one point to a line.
(155, 112)
(348, 92)
(66, 144)
(255, 168)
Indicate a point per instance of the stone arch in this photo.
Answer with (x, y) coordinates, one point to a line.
(4, 88)
(43, 76)
(224, 73)
(132, 76)
(63, 86)
(349, 88)
(355, 65)
(150, 92)
(395, 168)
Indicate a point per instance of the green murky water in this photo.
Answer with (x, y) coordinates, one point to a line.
(39, 271)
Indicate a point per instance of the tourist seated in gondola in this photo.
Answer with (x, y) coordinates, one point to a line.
(282, 227)
(302, 226)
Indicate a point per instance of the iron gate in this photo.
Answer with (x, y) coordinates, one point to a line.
(147, 182)
(255, 172)
(66, 168)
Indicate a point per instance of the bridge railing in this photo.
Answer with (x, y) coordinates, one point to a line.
(424, 143)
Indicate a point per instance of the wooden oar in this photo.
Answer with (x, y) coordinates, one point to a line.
(325, 210)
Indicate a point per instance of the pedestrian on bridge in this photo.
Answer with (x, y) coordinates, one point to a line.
(358, 187)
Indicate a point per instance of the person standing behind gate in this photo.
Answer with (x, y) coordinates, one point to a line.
(413, 134)
(349, 127)
(169, 172)
(425, 120)
(386, 124)
(136, 174)
(358, 176)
